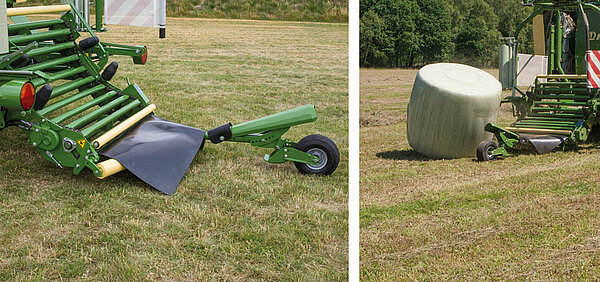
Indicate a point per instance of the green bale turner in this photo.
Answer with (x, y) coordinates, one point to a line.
(56, 87)
(562, 106)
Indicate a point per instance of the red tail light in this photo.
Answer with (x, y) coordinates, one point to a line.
(145, 57)
(27, 96)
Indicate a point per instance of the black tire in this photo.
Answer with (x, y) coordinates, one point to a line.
(321, 146)
(485, 149)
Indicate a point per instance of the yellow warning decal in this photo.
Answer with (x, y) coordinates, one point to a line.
(81, 142)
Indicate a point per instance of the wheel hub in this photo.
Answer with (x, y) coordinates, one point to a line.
(490, 154)
(319, 153)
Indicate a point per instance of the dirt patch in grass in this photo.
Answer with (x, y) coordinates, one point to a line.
(379, 118)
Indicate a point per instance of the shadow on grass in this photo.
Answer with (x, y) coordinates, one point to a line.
(405, 155)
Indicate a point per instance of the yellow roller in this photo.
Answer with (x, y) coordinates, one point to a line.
(124, 125)
(562, 76)
(539, 131)
(37, 10)
(109, 167)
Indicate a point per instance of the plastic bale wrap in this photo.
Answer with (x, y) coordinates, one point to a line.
(450, 105)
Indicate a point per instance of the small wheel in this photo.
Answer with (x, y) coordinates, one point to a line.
(484, 151)
(322, 147)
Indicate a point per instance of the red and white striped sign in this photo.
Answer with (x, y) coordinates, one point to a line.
(134, 12)
(593, 68)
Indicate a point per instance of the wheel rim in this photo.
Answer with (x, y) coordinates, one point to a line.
(319, 153)
(489, 151)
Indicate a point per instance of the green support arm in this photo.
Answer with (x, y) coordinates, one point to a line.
(138, 53)
(505, 139)
(266, 132)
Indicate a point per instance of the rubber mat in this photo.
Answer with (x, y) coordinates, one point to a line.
(543, 143)
(157, 151)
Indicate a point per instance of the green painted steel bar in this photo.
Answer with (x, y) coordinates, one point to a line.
(562, 90)
(567, 110)
(559, 34)
(39, 36)
(99, 14)
(569, 125)
(545, 127)
(572, 84)
(90, 117)
(558, 83)
(60, 90)
(553, 126)
(552, 51)
(62, 103)
(34, 25)
(51, 63)
(110, 119)
(77, 14)
(569, 86)
(555, 121)
(85, 107)
(563, 97)
(299, 115)
(50, 49)
(532, 123)
(550, 118)
(536, 11)
(561, 103)
(565, 126)
(561, 122)
(59, 75)
(542, 114)
(589, 5)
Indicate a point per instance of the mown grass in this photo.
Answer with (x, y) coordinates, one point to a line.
(285, 10)
(526, 217)
(233, 217)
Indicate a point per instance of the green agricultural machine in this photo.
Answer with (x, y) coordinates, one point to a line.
(562, 106)
(55, 86)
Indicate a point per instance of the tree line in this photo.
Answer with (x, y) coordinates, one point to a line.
(409, 33)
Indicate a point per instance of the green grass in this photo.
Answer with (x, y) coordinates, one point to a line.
(233, 217)
(286, 10)
(526, 217)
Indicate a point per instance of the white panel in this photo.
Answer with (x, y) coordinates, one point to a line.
(3, 28)
(528, 67)
(131, 12)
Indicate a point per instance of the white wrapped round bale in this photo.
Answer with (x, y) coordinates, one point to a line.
(449, 107)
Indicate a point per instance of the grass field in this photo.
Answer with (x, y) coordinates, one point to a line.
(527, 217)
(233, 217)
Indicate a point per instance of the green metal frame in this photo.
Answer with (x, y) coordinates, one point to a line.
(63, 134)
(575, 108)
(266, 132)
(57, 143)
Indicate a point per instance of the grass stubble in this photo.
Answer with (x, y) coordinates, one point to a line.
(528, 216)
(233, 217)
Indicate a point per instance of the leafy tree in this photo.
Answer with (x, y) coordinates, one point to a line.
(477, 36)
(406, 33)
(374, 42)
(511, 13)
(435, 30)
